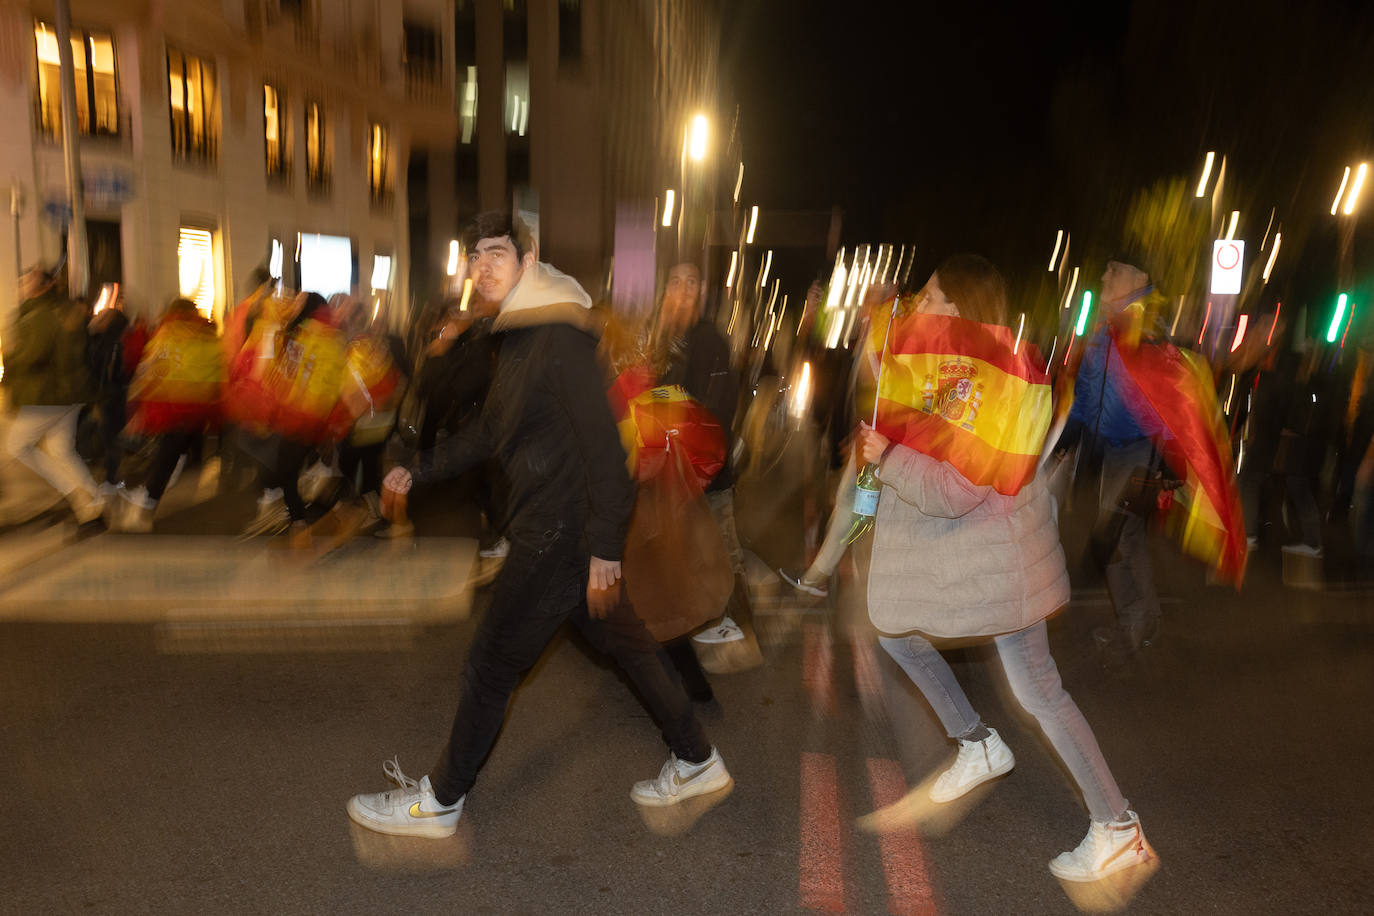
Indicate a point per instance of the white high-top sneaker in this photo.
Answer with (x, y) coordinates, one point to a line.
(411, 810)
(1109, 847)
(978, 761)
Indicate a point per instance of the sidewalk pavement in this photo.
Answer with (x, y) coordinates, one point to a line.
(195, 568)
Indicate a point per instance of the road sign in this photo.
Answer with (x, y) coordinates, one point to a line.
(1228, 261)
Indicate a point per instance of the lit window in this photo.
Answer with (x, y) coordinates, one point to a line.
(196, 268)
(316, 148)
(194, 106)
(467, 111)
(93, 65)
(274, 128)
(378, 154)
(381, 271)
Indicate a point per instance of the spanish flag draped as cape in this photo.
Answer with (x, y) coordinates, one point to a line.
(1207, 517)
(962, 392)
(648, 415)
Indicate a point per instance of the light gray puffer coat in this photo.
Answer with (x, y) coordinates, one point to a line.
(951, 559)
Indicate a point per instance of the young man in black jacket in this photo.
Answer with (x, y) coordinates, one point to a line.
(547, 421)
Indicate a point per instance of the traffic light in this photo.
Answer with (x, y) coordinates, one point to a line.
(1336, 319)
(1083, 315)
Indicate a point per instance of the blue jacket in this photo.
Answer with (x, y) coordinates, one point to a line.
(1107, 403)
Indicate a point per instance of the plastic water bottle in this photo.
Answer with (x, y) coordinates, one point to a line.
(866, 492)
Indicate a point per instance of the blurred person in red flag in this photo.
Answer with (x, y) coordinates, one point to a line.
(365, 414)
(176, 392)
(1146, 405)
(547, 420)
(302, 383)
(965, 543)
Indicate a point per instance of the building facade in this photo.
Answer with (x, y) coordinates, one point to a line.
(221, 135)
(574, 112)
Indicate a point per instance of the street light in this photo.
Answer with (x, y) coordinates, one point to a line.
(668, 200)
(1206, 173)
(697, 135)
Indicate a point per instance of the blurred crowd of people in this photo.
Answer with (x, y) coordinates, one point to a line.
(604, 458)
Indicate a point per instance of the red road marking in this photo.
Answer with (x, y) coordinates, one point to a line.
(904, 865)
(866, 671)
(821, 871)
(818, 666)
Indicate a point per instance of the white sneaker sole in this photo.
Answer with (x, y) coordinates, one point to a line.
(1120, 863)
(961, 791)
(692, 790)
(719, 635)
(419, 829)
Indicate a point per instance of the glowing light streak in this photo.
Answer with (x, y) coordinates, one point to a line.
(1355, 188)
(1206, 173)
(1335, 204)
(1231, 229)
(753, 222)
(700, 131)
(669, 197)
(1278, 240)
(1058, 240)
(454, 250)
(1241, 325)
(739, 182)
(1016, 347)
(1205, 318)
(1336, 319)
(1083, 315)
(1270, 339)
(730, 277)
(1073, 284)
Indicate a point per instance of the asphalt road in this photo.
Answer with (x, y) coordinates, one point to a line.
(147, 773)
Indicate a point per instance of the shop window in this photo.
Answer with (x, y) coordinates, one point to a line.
(196, 268)
(93, 66)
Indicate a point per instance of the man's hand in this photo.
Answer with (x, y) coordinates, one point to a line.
(603, 587)
(872, 444)
(395, 488)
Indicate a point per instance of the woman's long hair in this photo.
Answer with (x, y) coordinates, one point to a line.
(976, 286)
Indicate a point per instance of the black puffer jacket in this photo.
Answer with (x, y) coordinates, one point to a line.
(547, 421)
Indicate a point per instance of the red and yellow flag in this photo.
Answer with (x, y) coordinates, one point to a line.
(966, 393)
(1207, 517)
(180, 376)
(649, 416)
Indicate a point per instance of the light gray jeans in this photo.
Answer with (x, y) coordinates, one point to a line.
(1035, 682)
(833, 547)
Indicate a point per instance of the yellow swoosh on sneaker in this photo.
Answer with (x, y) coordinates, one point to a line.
(416, 811)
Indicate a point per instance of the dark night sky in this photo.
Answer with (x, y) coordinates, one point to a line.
(982, 127)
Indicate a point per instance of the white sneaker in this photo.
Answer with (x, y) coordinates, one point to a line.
(1109, 847)
(978, 761)
(410, 810)
(1303, 550)
(498, 551)
(107, 489)
(679, 780)
(726, 631)
(139, 497)
(272, 517)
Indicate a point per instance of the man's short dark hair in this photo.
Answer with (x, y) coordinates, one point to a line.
(493, 224)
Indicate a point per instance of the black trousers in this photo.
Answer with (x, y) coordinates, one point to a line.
(369, 457)
(285, 475)
(542, 584)
(170, 447)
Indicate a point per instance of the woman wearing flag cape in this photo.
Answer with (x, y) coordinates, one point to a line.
(966, 545)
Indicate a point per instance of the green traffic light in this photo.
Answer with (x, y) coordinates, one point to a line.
(1083, 315)
(1336, 319)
